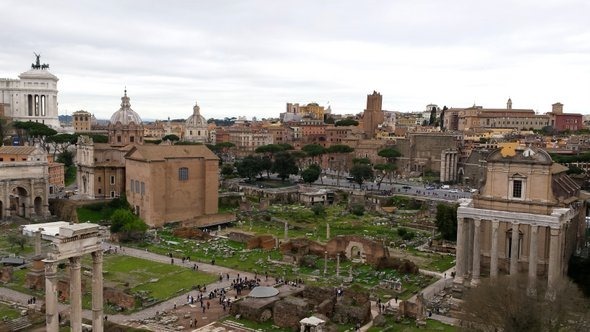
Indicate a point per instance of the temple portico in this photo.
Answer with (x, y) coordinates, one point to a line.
(485, 238)
(525, 219)
(71, 242)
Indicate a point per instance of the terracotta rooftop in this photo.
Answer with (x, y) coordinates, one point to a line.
(163, 152)
(24, 150)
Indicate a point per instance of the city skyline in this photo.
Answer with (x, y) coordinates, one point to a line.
(250, 58)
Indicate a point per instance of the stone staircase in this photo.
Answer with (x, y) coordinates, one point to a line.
(18, 324)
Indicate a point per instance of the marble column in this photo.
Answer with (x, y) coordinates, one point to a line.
(325, 262)
(475, 271)
(469, 249)
(75, 295)
(51, 314)
(286, 231)
(37, 243)
(338, 264)
(494, 253)
(460, 250)
(97, 300)
(554, 259)
(514, 250)
(533, 256)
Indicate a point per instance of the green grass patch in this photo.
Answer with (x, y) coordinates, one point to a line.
(409, 325)
(70, 175)
(7, 312)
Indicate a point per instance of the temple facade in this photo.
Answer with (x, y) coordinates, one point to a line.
(527, 218)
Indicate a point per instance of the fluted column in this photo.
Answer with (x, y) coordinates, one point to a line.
(460, 250)
(533, 256)
(494, 253)
(469, 250)
(51, 315)
(97, 299)
(554, 259)
(514, 250)
(476, 252)
(75, 295)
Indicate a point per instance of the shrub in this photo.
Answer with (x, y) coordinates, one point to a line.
(357, 209)
(318, 209)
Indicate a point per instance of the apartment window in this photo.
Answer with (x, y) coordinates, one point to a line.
(143, 188)
(183, 174)
(137, 187)
(517, 189)
(131, 185)
(112, 179)
(99, 179)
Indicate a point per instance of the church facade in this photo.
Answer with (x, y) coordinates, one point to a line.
(31, 97)
(526, 219)
(101, 166)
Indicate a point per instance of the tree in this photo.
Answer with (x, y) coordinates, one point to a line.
(17, 240)
(266, 165)
(34, 130)
(504, 304)
(285, 165)
(311, 174)
(66, 157)
(313, 150)
(61, 142)
(340, 152)
(96, 138)
(385, 170)
(127, 225)
(4, 127)
(249, 167)
(346, 123)
(227, 170)
(171, 137)
(446, 221)
(361, 172)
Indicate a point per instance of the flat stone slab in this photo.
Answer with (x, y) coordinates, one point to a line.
(263, 291)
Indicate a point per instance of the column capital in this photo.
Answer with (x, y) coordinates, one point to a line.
(97, 256)
(75, 262)
(50, 268)
(555, 231)
(477, 222)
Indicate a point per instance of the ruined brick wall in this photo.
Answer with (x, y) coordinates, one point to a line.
(289, 311)
(6, 274)
(266, 242)
(118, 297)
(239, 237)
(371, 251)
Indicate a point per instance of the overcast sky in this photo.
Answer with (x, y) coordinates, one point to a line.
(249, 58)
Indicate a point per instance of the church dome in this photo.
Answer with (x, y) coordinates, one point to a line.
(196, 120)
(125, 115)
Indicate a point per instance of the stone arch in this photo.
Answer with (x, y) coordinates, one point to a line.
(38, 204)
(355, 251)
(18, 201)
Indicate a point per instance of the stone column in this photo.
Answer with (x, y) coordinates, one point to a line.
(476, 253)
(325, 262)
(75, 295)
(338, 264)
(554, 259)
(51, 314)
(327, 231)
(494, 253)
(286, 231)
(533, 257)
(37, 243)
(469, 249)
(460, 257)
(97, 305)
(514, 250)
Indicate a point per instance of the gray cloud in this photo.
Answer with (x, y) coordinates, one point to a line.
(251, 57)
